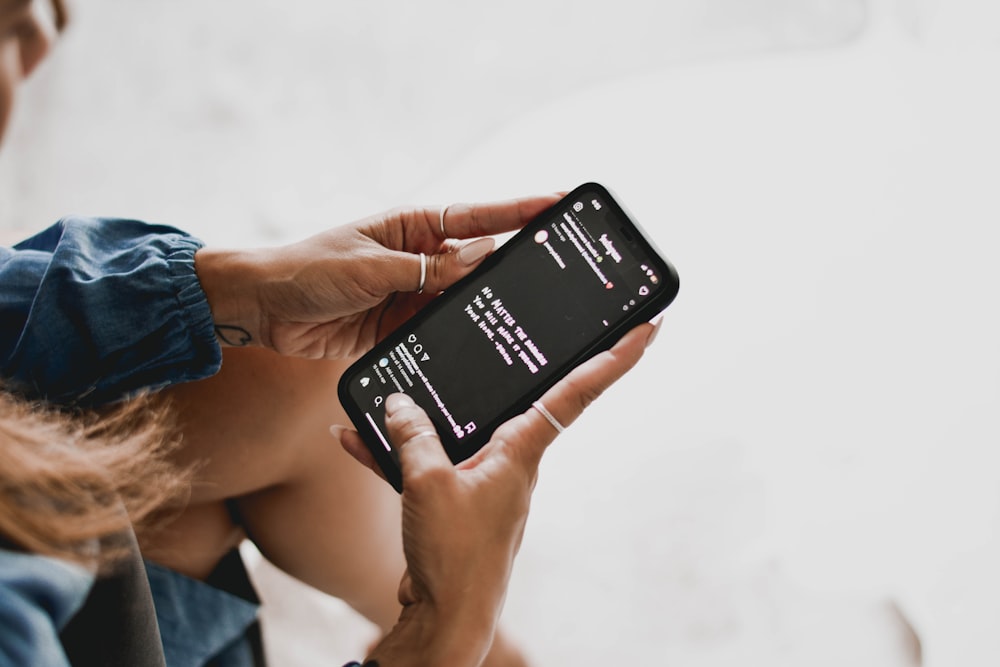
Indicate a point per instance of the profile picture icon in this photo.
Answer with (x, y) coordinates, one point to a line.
(541, 236)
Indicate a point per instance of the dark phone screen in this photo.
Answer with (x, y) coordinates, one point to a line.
(563, 282)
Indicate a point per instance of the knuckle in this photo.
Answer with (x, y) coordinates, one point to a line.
(417, 216)
(432, 477)
(428, 481)
(437, 268)
(407, 422)
(402, 213)
(404, 216)
(583, 394)
(477, 223)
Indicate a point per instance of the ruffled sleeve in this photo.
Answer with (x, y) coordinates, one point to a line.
(93, 309)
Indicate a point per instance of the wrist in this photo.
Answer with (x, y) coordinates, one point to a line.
(228, 278)
(426, 636)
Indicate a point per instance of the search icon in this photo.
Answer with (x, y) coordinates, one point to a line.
(378, 401)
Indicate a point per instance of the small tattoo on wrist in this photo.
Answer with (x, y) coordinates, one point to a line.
(233, 336)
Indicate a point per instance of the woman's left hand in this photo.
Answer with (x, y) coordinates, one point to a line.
(335, 294)
(462, 524)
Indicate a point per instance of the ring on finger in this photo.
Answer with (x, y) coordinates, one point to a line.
(422, 434)
(542, 410)
(444, 209)
(423, 273)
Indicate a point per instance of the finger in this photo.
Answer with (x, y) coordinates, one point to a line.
(463, 221)
(446, 261)
(433, 273)
(413, 435)
(444, 269)
(573, 394)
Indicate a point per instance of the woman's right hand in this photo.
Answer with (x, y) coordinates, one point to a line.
(462, 525)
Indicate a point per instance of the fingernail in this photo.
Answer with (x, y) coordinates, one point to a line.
(337, 431)
(472, 252)
(657, 325)
(397, 402)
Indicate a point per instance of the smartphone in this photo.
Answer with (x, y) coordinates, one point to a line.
(570, 284)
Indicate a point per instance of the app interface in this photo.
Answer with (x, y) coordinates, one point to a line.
(562, 285)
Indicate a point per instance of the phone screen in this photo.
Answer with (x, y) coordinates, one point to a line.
(568, 285)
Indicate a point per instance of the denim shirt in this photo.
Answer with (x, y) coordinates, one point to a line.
(93, 309)
(38, 596)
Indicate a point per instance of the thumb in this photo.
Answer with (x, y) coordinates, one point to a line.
(412, 434)
(444, 269)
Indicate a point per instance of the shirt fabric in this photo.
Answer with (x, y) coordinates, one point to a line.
(211, 622)
(38, 596)
(93, 309)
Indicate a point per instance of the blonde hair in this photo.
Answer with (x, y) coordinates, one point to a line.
(69, 482)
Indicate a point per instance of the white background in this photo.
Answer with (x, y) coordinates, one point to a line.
(806, 467)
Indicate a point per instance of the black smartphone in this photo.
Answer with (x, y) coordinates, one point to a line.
(567, 286)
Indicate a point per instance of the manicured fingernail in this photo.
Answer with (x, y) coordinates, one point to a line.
(397, 402)
(337, 431)
(472, 252)
(657, 325)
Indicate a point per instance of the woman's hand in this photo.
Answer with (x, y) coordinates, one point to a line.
(462, 525)
(335, 294)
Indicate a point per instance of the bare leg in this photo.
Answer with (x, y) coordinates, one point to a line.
(260, 430)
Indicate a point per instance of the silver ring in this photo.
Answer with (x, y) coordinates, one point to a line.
(422, 434)
(423, 273)
(444, 209)
(548, 416)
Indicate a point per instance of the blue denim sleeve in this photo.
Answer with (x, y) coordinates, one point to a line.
(38, 595)
(93, 309)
